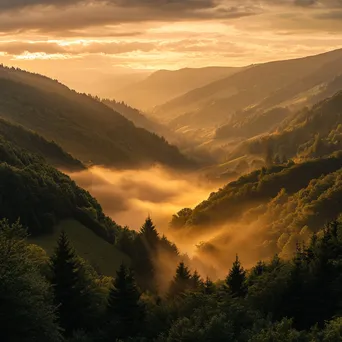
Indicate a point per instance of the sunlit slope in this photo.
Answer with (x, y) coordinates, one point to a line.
(231, 202)
(165, 85)
(103, 256)
(313, 132)
(267, 211)
(84, 127)
(258, 88)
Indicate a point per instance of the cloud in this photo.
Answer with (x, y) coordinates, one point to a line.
(19, 4)
(68, 16)
(17, 48)
(153, 34)
(85, 14)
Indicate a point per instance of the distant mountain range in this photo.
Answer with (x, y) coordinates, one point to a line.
(164, 85)
(255, 90)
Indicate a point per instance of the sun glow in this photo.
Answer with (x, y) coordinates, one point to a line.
(41, 56)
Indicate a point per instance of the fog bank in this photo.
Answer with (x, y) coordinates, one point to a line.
(129, 196)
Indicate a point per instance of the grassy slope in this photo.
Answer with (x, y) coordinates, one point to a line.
(105, 257)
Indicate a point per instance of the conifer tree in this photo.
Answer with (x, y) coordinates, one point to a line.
(27, 312)
(146, 245)
(71, 287)
(209, 287)
(259, 268)
(149, 234)
(125, 311)
(196, 281)
(236, 279)
(182, 280)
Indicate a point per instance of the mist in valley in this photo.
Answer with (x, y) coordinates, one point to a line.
(129, 196)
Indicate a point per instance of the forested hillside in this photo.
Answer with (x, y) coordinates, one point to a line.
(84, 127)
(311, 132)
(277, 207)
(254, 91)
(138, 118)
(41, 196)
(36, 144)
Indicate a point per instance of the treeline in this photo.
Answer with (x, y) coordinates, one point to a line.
(41, 196)
(62, 298)
(88, 129)
(267, 211)
(35, 143)
(310, 133)
(251, 190)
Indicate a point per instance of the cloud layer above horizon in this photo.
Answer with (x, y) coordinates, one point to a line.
(54, 36)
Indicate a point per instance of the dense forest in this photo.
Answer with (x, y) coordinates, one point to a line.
(311, 132)
(40, 195)
(65, 299)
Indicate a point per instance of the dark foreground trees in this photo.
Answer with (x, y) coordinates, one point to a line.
(125, 312)
(27, 312)
(298, 300)
(74, 290)
(236, 280)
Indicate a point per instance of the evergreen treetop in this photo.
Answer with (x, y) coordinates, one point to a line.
(72, 286)
(125, 311)
(236, 279)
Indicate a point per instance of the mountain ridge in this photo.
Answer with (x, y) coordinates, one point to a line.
(164, 85)
(249, 88)
(84, 127)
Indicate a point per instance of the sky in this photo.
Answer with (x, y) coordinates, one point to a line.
(78, 40)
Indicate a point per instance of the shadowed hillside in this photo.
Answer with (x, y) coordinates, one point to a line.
(35, 143)
(84, 127)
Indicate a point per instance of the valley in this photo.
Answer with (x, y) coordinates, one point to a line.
(199, 203)
(281, 154)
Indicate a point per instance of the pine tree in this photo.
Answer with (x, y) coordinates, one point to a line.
(27, 312)
(209, 287)
(254, 274)
(143, 263)
(146, 245)
(196, 281)
(236, 279)
(71, 287)
(182, 280)
(125, 311)
(259, 268)
(150, 234)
